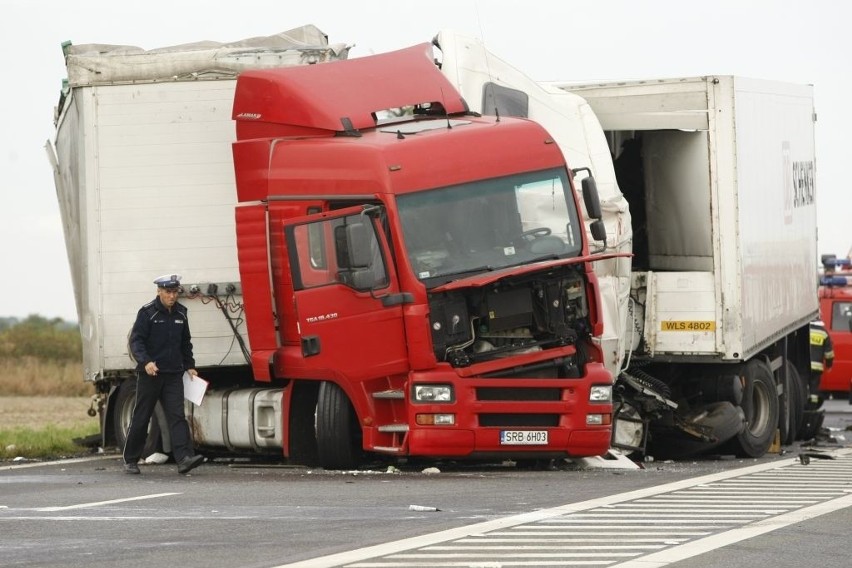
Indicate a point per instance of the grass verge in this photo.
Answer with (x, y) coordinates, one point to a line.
(44, 427)
(45, 443)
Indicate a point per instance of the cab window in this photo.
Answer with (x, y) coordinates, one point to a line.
(841, 316)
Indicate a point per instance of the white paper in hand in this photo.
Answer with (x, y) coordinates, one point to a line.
(194, 388)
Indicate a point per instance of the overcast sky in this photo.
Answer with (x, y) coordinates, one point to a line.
(804, 42)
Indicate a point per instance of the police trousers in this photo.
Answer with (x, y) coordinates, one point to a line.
(167, 389)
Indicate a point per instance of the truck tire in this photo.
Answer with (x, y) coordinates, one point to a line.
(722, 418)
(337, 429)
(760, 407)
(122, 411)
(785, 411)
(302, 423)
(797, 403)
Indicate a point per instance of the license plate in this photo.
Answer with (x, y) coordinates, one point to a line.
(523, 437)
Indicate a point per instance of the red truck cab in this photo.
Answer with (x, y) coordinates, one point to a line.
(835, 308)
(416, 277)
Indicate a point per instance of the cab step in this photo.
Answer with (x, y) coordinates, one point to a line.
(393, 428)
(387, 449)
(390, 394)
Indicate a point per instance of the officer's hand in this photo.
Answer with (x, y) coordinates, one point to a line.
(192, 373)
(151, 368)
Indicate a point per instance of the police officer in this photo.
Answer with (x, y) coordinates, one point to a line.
(822, 357)
(161, 345)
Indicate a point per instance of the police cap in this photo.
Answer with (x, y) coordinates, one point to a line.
(168, 281)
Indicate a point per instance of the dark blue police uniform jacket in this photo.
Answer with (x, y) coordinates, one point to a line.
(163, 337)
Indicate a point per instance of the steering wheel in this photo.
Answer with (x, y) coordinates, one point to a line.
(536, 233)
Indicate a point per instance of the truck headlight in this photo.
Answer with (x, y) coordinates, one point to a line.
(600, 393)
(433, 393)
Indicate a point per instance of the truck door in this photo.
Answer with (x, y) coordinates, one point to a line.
(347, 299)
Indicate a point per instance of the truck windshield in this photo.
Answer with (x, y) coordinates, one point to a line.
(489, 224)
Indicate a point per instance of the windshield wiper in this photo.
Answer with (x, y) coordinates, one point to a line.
(544, 257)
(484, 268)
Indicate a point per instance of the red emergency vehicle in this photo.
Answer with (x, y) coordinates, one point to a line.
(835, 307)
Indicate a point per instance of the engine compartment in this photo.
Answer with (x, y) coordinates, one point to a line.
(515, 315)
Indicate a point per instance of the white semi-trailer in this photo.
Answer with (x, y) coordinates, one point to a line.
(144, 176)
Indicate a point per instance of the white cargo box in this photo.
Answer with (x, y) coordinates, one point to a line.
(145, 181)
(729, 201)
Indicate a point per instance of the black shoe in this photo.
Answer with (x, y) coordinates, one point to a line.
(131, 468)
(189, 463)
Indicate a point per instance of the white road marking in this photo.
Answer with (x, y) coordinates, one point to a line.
(715, 541)
(57, 462)
(620, 534)
(537, 563)
(99, 503)
(590, 521)
(127, 518)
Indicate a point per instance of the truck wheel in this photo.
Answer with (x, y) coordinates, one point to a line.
(723, 420)
(760, 407)
(337, 429)
(125, 401)
(797, 403)
(785, 411)
(302, 423)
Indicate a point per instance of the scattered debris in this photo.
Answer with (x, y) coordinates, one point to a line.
(423, 508)
(805, 457)
(613, 459)
(431, 471)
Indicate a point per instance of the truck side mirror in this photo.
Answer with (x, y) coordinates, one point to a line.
(352, 244)
(591, 198)
(355, 255)
(598, 230)
(363, 279)
(358, 247)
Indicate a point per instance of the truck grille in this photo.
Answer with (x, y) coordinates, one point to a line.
(551, 420)
(517, 394)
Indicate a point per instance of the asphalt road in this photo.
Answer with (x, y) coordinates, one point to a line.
(88, 513)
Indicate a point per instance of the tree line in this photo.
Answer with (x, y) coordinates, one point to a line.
(40, 338)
